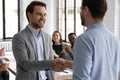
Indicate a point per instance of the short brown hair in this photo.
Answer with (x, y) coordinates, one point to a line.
(97, 8)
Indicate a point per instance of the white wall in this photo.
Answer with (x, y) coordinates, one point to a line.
(117, 18)
(112, 17)
(52, 16)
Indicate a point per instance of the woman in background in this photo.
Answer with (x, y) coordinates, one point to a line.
(58, 46)
(57, 43)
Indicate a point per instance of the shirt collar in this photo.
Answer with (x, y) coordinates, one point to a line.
(34, 32)
(96, 25)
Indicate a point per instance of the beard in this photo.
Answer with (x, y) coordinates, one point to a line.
(83, 20)
(38, 24)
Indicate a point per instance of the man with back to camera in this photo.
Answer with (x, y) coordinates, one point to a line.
(97, 50)
(32, 47)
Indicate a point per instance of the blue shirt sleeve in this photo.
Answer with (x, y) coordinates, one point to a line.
(83, 59)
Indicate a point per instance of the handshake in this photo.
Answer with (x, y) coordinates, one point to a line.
(60, 64)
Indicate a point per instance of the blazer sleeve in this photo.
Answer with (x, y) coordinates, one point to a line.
(24, 58)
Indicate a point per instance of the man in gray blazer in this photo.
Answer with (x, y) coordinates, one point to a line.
(32, 47)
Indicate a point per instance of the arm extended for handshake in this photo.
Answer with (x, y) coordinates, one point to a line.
(61, 64)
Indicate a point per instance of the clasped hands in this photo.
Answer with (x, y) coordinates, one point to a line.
(60, 64)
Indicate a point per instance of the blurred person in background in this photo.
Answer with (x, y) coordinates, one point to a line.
(70, 48)
(4, 65)
(58, 46)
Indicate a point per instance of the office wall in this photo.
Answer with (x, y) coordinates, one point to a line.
(112, 17)
(117, 18)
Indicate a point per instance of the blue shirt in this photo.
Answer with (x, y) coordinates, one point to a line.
(96, 54)
(39, 42)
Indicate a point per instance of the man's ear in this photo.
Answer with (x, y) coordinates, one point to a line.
(86, 10)
(29, 14)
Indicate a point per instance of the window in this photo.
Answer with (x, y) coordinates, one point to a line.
(8, 18)
(69, 17)
(11, 18)
(1, 20)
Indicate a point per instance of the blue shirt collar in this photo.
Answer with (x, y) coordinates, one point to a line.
(100, 24)
(34, 32)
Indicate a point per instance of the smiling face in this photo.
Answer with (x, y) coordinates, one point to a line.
(72, 38)
(56, 37)
(37, 19)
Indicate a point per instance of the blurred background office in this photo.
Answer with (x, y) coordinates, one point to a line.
(62, 15)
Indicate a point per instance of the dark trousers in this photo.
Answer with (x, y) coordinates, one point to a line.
(4, 75)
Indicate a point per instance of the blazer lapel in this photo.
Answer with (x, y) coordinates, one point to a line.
(44, 46)
(34, 45)
(32, 41)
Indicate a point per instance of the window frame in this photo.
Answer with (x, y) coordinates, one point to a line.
(63, 23)
(4, 19)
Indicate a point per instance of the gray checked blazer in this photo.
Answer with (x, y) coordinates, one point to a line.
(25, 53)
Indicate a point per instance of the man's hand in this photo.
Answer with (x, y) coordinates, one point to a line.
(4, 66)
(2, 52)
(59, 64)
(66, 47)
(69, 64)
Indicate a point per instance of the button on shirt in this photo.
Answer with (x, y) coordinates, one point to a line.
(96, 54)
(39, 42)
